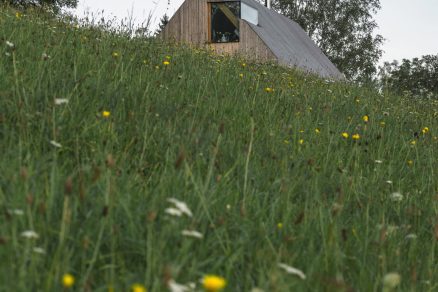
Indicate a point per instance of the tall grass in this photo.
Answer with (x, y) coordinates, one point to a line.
(266, 173)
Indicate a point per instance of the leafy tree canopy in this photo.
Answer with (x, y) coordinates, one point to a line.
(343, 29)
(417, 77)
(55, 4)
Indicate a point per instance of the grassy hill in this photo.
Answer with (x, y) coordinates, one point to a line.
(99, 131)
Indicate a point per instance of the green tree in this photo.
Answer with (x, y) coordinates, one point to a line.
(163, 22)
(417, 77)
(343, 29)
(55, 4)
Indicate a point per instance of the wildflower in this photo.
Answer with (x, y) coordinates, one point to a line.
(301, 141)
(269, 89)
(396, 197)
(18, 15)
(382, 124)
(175, 287)
(292, 271)
(378, 161)
(243, 65)
(355, 137)
(241, 75)
(166, 63)
(389, 182)
(173, 212)
(213, 283)
(30, 234)
(115, 54)
(345, 135)
(17, 212)
(59, 101)
(181, 206)
(138, 288)
(55, 144)
(413, 142)
(425, 130)
(192, 233)
(391, 281)
(366, 118)
(39, 250)
(68, 280)
(9, 44)
(106, 114)
(317, 131)
(280, 225)
(410, 162)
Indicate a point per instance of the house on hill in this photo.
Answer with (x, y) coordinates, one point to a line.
(250, 29)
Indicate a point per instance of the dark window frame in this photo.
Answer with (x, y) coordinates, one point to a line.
(235, 37)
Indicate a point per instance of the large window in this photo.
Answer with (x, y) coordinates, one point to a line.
(225, 21)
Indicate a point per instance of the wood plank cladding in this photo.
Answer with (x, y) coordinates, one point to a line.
(191, 24)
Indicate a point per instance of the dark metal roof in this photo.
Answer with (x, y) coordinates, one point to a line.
(290, 43)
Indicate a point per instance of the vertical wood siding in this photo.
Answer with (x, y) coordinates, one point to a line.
(190, 25)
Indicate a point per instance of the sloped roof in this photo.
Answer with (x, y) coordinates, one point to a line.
(290, 43)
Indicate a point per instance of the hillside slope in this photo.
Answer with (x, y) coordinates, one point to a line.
(98, 132)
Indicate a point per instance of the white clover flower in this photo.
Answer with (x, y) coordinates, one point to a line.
(60, 101)
(292, 271)
(192, 233)
(378, 161)
(389, 182)
(9, 44)
(396, 197)
(30, 234)
(56, 144)
(181, 206)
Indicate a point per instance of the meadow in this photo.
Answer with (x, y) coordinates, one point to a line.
(130, 164)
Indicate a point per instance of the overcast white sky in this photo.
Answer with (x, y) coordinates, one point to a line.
(410, 27)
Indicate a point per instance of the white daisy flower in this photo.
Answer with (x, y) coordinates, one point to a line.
(292, 271)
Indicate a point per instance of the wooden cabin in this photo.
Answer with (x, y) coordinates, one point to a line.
(250, 29)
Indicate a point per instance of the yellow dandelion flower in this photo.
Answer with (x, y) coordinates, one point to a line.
(213, 283)
(301, 141)
(355, 137)
(425, 130)
(166, 63)
(138, 288)
(382, 124)
(68, 280)
(366, 118)
(18, 15)
(345, 135)
(410, 162)
(280, 225)
(317, 131)
(413, 142)
(241, 75)
(106, 114)
(243, 65)
(115, 54)
(269, 89)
